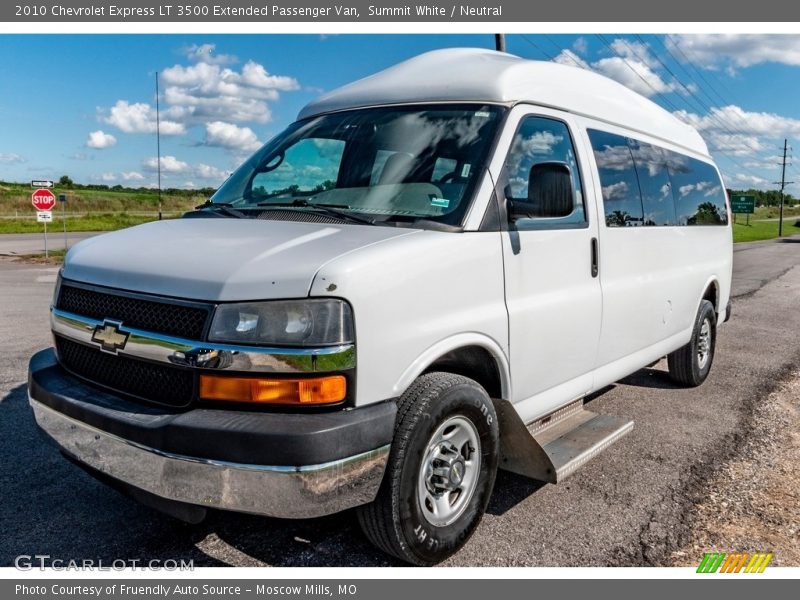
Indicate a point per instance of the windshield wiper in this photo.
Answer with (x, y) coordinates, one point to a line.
(225, 208)
(334, 210)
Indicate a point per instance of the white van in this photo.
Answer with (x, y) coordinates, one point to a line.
(416, 283)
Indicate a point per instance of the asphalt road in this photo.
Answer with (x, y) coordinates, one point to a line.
(632, 505)
(18, 244)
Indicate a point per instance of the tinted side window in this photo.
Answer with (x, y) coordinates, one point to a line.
(621, 198)
(698, 192)
(541, 140)
(654, 183)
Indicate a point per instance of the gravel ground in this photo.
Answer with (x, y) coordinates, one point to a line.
(753, 503)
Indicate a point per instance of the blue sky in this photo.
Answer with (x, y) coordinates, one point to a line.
(83, 105)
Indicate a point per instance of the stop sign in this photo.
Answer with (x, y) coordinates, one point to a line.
(43, 199)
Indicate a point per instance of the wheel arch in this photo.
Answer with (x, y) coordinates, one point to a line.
(471, 355)
(711, 292)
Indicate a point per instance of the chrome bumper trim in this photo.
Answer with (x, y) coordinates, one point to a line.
(277, 491)
(207, 355)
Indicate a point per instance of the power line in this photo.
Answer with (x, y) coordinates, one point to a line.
(635, 72)
(537, 46)
(711, 114)
(721, 118)
(690, 64)
(663, 97)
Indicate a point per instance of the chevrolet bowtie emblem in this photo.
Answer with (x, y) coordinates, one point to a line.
(110, 337)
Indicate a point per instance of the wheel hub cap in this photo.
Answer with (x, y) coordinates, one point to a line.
(450, 470)
(704, 344)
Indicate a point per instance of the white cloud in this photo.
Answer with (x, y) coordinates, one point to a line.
(580, 45)
(634, 74)
(615, 191)
(634, 67)
(212, 173)
(133, 176)
(169, 164)
(743, 180)
(232, 137)
(568, 57)
(756, 123)
(140, 118)
(713, 51)
(770, 162)
(99, 140)
(206, 53)
(634, 51)
(733, 130)
(204, 91)
(108, 177)
(11, 158)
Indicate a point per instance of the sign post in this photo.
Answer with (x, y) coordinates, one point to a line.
(62, 198)
(743, 205)
(43, 201)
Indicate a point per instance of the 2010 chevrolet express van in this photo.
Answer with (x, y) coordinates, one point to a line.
(415, 284)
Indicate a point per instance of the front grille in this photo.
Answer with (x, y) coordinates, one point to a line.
(167, 385)
(135, 312)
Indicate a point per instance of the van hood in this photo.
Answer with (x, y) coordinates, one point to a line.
(218, 259)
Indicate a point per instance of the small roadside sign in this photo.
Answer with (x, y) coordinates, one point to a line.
(44, 216)
(42, 183)
(43, 199)
(745, 205)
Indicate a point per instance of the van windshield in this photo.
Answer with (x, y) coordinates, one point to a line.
(378, 165)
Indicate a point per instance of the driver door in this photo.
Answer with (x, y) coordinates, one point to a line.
(552, 290)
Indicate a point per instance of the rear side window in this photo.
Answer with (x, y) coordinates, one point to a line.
(654, 183)
(620, 186)
(698, 192)
(644, 184)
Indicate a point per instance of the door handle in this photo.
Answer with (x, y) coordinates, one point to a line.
(595, 258)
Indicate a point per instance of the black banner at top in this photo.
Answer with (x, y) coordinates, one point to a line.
(470, 11)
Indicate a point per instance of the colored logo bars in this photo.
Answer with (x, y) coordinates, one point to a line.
(734, 563)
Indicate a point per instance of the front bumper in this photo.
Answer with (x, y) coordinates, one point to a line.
(322, 463)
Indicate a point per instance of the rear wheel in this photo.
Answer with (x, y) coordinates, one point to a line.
(691, 364)
(440, 473)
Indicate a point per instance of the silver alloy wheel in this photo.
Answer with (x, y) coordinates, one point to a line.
(704, 344)
(449, 471)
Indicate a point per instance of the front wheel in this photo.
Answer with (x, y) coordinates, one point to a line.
(440, 473)
(691, 364)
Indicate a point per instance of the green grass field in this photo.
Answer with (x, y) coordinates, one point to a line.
(97, 222)
(15, 199)
(759, 229)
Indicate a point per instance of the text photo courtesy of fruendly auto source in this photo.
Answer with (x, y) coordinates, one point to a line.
(377, 300)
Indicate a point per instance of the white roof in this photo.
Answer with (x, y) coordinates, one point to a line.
(473, 74)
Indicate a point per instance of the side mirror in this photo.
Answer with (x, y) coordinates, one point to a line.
(550, 193)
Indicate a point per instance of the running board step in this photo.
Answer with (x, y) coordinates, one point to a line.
(552, 448)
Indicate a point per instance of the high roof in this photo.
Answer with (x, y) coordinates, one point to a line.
(472, 74)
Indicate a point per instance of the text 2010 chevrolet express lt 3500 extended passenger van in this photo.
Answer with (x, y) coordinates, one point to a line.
(416, 283)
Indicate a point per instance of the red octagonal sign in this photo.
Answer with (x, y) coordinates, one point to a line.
(43, 199)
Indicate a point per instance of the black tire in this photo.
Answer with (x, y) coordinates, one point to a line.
(685, 365)
(396, 520)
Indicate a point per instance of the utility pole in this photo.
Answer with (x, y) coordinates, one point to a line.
(783, 184)
(500, 42)
(158, 146)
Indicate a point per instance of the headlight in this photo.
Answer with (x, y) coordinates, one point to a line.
(313, 322)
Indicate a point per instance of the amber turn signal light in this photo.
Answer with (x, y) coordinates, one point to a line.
(319, 390)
